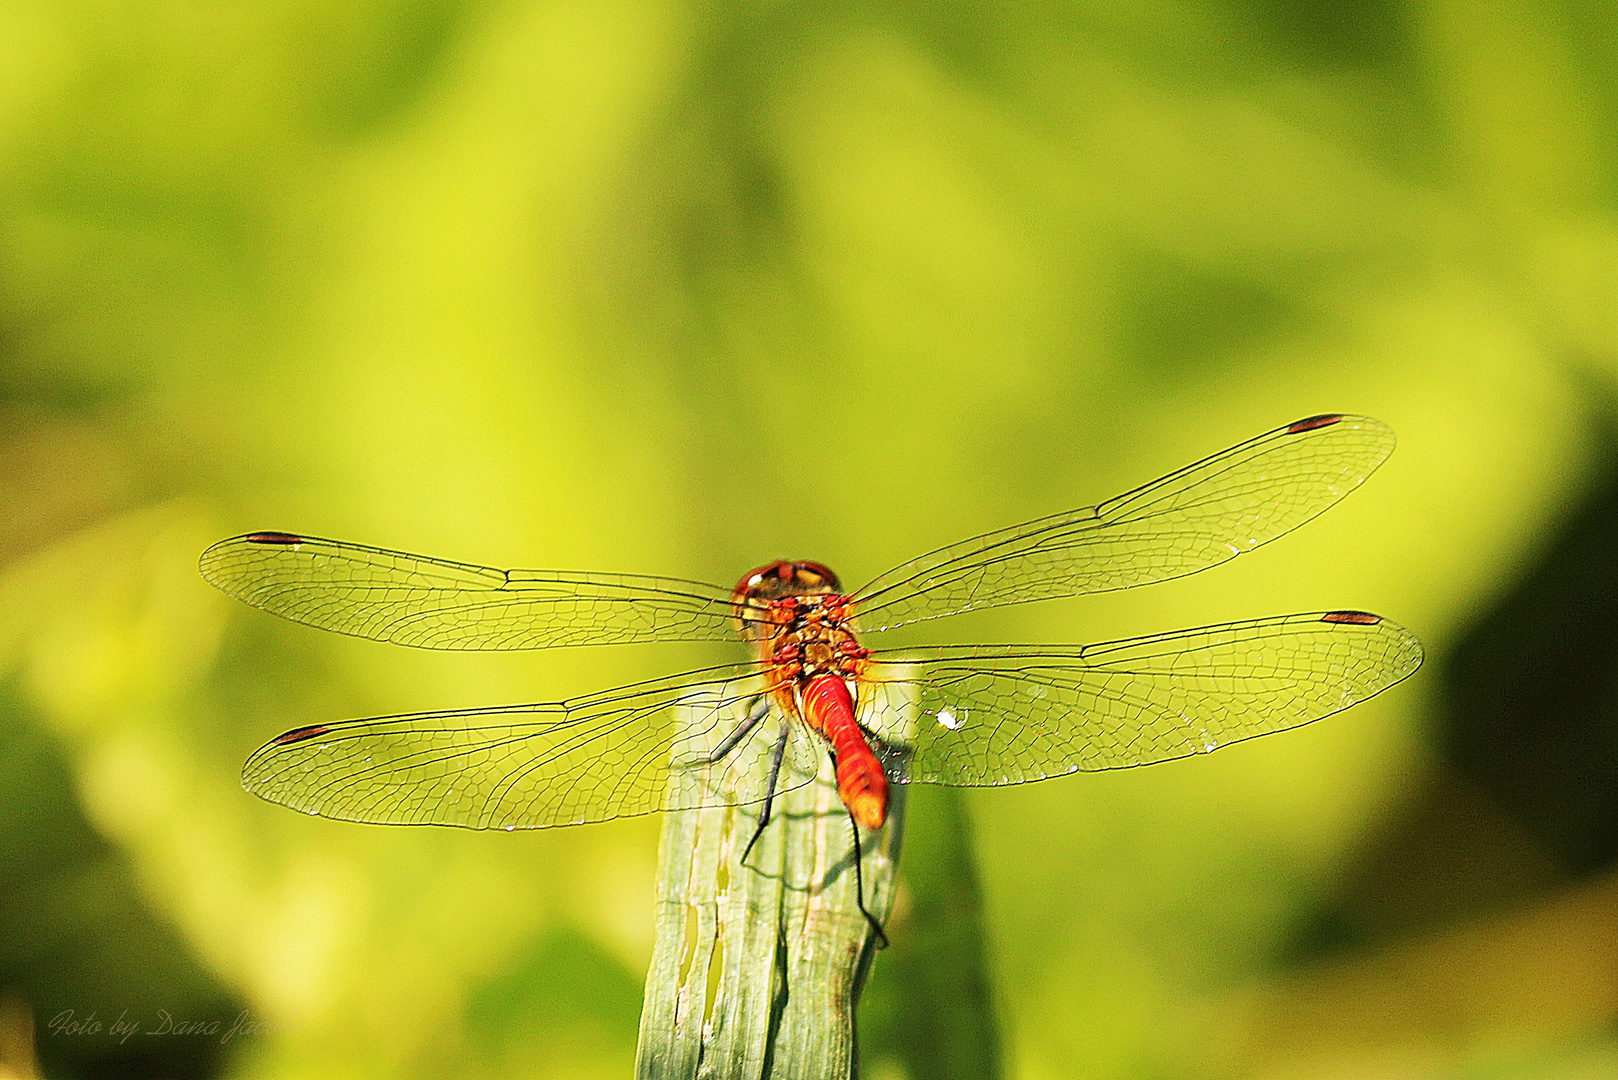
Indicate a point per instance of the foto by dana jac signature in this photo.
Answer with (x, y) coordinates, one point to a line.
(161, 1023)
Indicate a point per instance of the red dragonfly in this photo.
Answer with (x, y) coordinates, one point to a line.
(967, 715)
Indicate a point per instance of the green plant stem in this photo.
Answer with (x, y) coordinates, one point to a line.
(757, 967)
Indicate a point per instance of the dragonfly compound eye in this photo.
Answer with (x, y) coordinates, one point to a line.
(783, 579)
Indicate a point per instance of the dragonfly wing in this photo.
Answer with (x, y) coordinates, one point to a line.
(1187, 521)
(601, 756)
(437, 604)
(1006, 714)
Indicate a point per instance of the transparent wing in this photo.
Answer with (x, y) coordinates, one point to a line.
(1187, 521)
(596, 757)
(1006, 714)
(437, 604)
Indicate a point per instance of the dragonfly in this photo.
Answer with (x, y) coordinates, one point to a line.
(962, 715)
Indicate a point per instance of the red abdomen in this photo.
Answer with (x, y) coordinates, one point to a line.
(861, 783)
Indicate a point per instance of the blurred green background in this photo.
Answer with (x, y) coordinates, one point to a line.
(682, 288)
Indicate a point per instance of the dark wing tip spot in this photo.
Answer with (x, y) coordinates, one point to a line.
(1358, 618)
(272, 538)
(297, 735)
(1310, 423)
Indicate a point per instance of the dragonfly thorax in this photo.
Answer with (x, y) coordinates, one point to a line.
(796, 616)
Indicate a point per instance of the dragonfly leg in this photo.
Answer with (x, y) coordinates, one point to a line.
(756, 712)
(769, 796)
(859, 886)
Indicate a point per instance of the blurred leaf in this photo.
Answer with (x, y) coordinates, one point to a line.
(82, 941)
(928, 1004)
(1532, 686)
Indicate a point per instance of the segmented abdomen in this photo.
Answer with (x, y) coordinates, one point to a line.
(861, 783)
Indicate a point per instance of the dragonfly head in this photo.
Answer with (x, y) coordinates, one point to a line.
(783, 578)
(760, 590)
